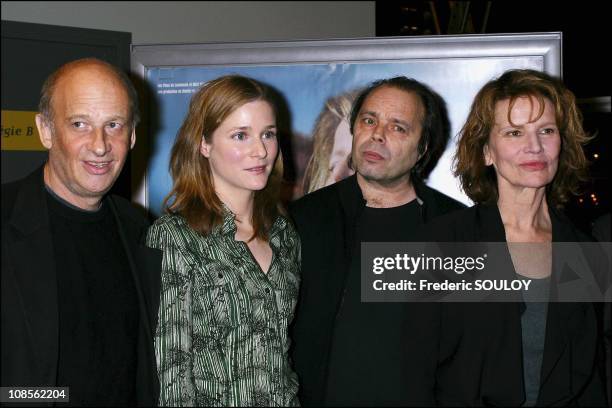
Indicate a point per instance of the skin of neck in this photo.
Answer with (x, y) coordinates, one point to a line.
(58, 188)
(386, 194)
(241, 204)
(525, 209)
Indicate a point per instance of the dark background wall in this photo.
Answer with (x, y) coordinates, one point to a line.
(585, 27)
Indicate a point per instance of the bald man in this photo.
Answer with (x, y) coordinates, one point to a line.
(79, 291)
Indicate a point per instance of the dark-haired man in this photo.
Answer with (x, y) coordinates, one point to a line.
(79, 291)
(348, 352)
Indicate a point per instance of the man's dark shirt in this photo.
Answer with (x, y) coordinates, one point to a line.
(368, 342)
(407, 353)
(97, 306)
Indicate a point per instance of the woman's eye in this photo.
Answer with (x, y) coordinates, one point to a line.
(269, 135)
(513, 133)
(549, 131)
(239, 136)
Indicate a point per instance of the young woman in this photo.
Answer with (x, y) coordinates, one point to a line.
(231, 259)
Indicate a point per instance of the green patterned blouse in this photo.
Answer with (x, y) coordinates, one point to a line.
(222, 337)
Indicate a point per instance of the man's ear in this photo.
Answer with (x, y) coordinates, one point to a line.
(45, 133)
(205, 148)
(133, 138)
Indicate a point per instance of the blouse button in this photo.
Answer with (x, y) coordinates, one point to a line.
(267, 290)
(220, 275)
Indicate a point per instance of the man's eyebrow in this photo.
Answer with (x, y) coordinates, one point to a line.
(394, 120)
(86, 116)
(371, 113)
(402, 122)
(78, 116)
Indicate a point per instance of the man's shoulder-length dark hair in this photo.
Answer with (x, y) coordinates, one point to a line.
(435, 124)
(479, 180)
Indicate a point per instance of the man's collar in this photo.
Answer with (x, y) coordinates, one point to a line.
(352, 199)
(69, 204)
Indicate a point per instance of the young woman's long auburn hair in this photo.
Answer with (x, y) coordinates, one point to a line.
(193, 193)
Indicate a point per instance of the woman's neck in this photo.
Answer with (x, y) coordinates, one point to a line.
(525, 213)
(241, 205)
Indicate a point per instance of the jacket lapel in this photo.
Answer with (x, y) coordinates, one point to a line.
(146, 376)
(35, 275)
(559, 315)
(352, 204)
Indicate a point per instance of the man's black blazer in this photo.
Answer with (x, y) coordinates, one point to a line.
(326, 220)
(29, 315)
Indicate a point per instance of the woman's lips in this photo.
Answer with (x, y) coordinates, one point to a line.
(534, 165)
(256, 170)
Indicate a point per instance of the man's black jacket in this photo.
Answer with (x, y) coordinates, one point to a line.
(326, 221)
(29, 288)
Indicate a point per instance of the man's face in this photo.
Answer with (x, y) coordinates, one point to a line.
(387, 131)
(90, 134)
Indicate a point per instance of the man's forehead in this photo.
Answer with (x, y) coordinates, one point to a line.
(91, 84)
(93, 75)
(388, 98)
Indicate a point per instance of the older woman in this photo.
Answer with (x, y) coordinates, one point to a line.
(230, 258)
(519, 159)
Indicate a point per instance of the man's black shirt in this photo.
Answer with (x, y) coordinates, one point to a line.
(97, 307)
(369, 341)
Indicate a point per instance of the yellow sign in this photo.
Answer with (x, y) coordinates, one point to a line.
(19, 131)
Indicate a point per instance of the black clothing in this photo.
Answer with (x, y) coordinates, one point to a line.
(602, 232)
(360, 326)
(485, 365)
(97, 307)
(32, 287)
(402, 359)
(601, 228)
